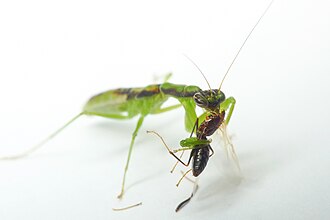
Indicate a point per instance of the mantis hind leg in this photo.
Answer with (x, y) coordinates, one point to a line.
(137, 128)
(166, 109)
(42, 143)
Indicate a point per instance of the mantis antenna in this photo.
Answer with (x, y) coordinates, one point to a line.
(248, 36)
(199, 71)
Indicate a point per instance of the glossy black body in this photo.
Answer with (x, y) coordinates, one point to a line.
(200, 154)
(200, 158)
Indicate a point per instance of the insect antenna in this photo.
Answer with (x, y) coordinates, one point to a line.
(247, 37)
(199, 71)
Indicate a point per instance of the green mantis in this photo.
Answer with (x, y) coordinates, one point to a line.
(127, 103)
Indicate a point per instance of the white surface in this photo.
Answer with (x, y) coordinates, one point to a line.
(54, 56)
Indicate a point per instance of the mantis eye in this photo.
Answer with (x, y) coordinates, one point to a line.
(200, 100)
(214, 92)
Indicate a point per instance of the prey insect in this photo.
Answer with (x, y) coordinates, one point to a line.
(127, 103)
(200, 147)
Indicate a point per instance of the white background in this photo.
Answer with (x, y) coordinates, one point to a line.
(55, 55)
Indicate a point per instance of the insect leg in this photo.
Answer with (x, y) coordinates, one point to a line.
(42, 143)
(185, 148)
(195, 127)
(169, 108)
(167, 77)
(140, 121)
(105, 115)
(229, 146)
(192, 132)
(183, 177)
(169, 150)
(211, 151)
(200, 118)
(228, 103)
(190, 113)
(176, 163)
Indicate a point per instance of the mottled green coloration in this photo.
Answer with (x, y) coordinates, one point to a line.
(130, 102)
(194, 141)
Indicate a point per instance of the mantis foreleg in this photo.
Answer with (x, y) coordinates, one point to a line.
(229, 103)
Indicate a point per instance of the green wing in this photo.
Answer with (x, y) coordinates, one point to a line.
(109, 102)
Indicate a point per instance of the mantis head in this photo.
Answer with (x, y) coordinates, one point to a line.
(209, 99)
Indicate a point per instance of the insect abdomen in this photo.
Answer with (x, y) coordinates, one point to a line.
(200, 159)
(125, 100)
